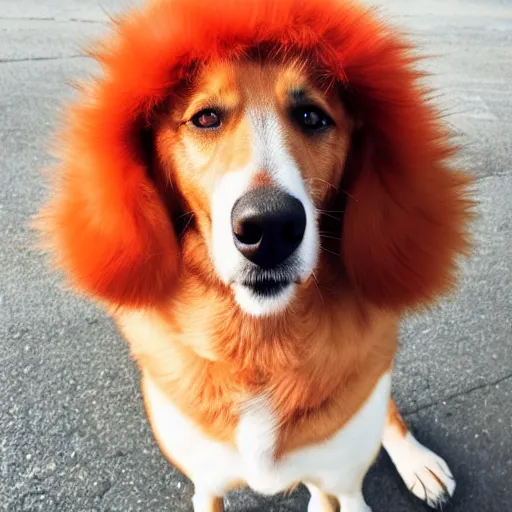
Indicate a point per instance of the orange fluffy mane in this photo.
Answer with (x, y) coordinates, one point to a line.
(404, 219)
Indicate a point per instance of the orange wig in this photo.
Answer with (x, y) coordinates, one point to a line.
(404, 207)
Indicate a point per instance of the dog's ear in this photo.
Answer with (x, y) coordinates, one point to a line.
(406, 210)
(106, 222)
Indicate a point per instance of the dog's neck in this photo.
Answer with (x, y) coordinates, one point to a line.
(209, 357)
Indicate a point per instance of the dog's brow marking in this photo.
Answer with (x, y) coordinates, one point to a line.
(266, 139)
(297, 95)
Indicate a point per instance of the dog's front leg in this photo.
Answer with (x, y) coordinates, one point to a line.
(203, 501)
(353, 503)
(426, 474)
(321, 501)
(347, 502)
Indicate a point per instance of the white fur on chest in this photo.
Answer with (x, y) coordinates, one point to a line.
(337, 465)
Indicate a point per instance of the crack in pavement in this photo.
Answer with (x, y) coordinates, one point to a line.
(36, 59)
(458, 394)
(43, 18)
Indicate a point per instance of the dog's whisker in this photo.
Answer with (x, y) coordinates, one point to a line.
(330, 237)
(328, 215)
(330, 211)
(349, 195)
(184, 215)
(187, 224)
(318, 287)
(322, 181)
(329, 251)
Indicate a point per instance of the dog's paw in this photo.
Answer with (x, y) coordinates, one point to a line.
(320, 501)
(426, 474)
(353, 504)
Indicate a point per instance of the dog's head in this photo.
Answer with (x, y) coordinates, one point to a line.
(251, 127)
(254, 148)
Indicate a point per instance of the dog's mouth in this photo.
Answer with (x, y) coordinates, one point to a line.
(267, 287)
(266, 291)
(267, 284)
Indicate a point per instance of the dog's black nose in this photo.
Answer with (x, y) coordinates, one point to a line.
(268, 225)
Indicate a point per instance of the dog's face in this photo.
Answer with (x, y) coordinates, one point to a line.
(255, 150)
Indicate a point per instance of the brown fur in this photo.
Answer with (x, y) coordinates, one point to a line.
(205, 354)
(395, 420)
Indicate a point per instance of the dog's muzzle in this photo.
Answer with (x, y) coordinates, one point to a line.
(268, 226)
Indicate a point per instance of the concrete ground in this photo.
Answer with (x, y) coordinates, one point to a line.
(73, 436)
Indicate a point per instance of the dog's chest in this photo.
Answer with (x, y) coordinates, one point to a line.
(217, 466)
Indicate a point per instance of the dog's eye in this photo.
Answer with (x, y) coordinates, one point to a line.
(311, 119)
(207, 118)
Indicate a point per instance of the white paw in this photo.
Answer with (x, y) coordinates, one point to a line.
(206, 502)
(354, 503)
(426, 474)
(315, 504)
(319, 501)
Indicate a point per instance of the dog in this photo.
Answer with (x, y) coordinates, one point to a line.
(259, 192)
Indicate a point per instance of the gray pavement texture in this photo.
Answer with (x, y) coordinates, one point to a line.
(73, 435)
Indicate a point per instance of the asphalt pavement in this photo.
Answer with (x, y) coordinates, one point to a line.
(73, 435)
